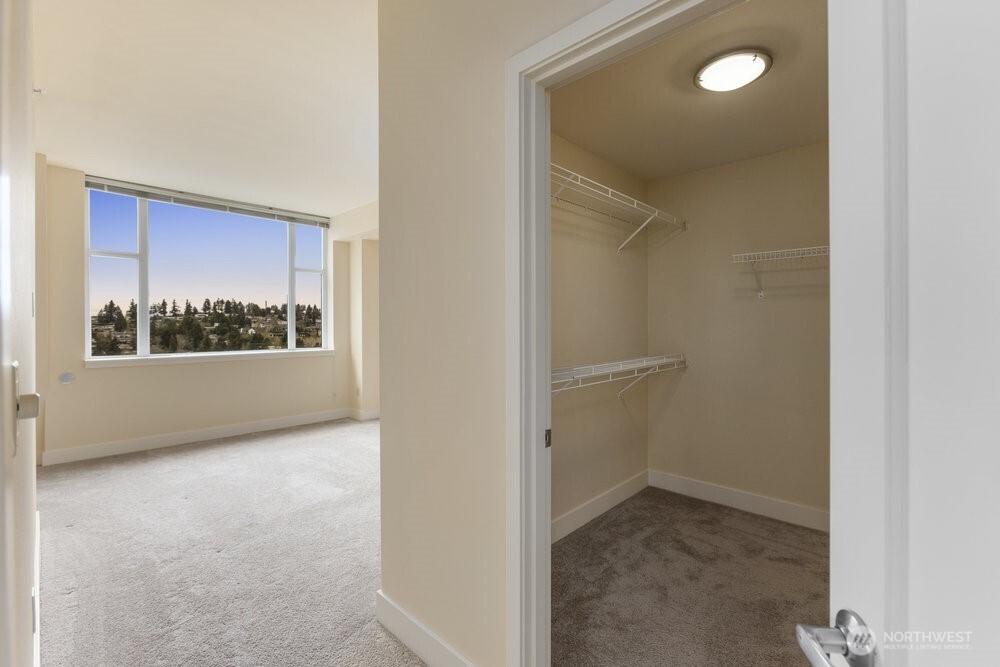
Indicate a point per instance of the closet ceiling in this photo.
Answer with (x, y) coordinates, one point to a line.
(645, 114)
(274, 103)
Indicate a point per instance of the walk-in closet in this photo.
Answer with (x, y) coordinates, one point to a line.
(690, 346)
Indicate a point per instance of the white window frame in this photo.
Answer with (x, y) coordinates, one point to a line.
(143, 356)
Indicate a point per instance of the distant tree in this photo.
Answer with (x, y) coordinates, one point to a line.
(132, 315)
(174, 310)
(163, 307)
(121, 324)
(187, 308)
(257, 342)
(166, 334)
(206, 307)
(103, 345)
(109, 313)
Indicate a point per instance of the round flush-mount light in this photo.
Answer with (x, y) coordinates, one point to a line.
(733, 70)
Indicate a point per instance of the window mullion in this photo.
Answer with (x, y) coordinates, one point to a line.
(142, 316)
(290, 309)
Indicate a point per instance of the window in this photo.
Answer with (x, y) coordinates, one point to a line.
(172, 273)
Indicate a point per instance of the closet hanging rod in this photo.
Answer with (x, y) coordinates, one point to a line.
(575, 377)
(572, 188)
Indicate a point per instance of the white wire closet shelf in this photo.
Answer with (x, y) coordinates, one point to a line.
(752, 258)
(571, 188)
(575, 377)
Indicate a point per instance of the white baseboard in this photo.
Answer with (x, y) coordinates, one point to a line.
(578, 516)
(70, 454)
(365, 415)
(800, 515)
(418, 638)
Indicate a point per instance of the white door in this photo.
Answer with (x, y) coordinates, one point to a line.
(18, 639)
(915, 322)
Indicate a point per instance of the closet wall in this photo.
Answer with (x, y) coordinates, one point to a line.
(599, 313)
(751, 411)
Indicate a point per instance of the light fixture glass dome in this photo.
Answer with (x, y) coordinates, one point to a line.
(733, 70)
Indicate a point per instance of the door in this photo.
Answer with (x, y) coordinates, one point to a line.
(18, 622)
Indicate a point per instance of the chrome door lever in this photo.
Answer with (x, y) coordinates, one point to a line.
(850, 637)
(26, 406)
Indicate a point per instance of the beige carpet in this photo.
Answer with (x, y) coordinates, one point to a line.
(257, 550)
(671, 581)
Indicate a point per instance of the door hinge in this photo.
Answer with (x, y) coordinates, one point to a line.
(548, 437)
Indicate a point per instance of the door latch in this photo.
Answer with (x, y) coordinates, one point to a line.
(850, 637)
(548, 437)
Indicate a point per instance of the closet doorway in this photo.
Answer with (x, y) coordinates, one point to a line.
(671, 326)
(690, 346)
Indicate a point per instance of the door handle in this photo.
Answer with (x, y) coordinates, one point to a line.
(26, 406)
(850, 637)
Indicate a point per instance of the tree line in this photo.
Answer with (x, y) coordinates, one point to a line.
(220, 325)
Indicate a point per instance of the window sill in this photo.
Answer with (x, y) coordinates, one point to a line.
(202, 358)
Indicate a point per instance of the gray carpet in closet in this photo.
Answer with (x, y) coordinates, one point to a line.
(663, 579)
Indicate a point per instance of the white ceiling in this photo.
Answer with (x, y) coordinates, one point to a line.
(272, 103)
(645, 114)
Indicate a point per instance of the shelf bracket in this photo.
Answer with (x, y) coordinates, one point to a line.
(636, 232)
(756, 277)
(635, 382)
(566, 385)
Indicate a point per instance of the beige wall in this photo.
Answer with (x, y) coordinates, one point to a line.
(599, 313)
(364, 328)
(110, 404)
(358, 223)
(41, 297)
(752, 410)
(441, 184)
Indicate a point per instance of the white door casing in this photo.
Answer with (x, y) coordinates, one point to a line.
(18, 641)
(868, 270)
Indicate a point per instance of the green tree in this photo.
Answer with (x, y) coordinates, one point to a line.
(187, 308)
(257, 342)
(174, 310)
(163, 307)
(206, 307)
(103, 345)
(132, 314)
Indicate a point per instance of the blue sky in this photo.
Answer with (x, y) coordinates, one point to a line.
(197, 254)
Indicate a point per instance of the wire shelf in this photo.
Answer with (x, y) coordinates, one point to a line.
(773, 255)
(752, 258)
(575, 377)
(570, 187)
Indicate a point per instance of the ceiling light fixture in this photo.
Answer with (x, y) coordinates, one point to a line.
(733, 70)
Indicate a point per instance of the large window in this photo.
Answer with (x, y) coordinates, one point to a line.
(170, 273)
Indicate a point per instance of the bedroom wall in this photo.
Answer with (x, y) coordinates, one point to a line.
(751, 412)
(139, 403)
(599, 313)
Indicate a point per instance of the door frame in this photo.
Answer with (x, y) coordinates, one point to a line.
(868, 300)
